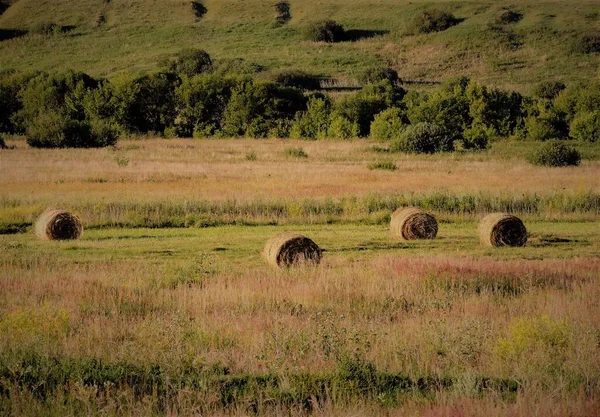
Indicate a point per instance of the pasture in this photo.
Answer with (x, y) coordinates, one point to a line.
(165, 306)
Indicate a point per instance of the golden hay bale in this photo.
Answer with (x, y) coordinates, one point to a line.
(289, 249)
(412, 223)
(55, 224)
(501, 229)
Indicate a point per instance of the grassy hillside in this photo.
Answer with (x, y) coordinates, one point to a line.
(134, 35)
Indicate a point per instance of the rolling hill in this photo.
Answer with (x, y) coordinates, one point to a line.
(105, 37)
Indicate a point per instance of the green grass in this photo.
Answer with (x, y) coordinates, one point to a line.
(138, 34)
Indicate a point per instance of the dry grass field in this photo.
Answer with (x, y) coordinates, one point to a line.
(185, 318)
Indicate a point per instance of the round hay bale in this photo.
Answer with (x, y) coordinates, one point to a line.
(501, 229)
(412, 223)
(56, 224)
(289, 249)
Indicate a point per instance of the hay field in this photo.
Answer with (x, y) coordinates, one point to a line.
(188, 319)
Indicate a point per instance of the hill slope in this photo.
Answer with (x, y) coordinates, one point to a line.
(134, 35)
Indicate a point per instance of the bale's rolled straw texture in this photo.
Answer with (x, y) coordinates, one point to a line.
(501, 229)
(55, 224)
(412, 223)
(289, 249)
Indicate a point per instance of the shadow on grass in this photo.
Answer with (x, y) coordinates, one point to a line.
(354, 35)
(6, 34)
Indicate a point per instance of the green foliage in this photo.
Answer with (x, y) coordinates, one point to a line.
(46, 29)
(324, 31)
(235, 67)
(56, 130)
(587, 44)
(555, 154)
(383, 165)
(423, 138)
(255, 108)
(11, 84)
(283, 12)
(342, 128)
(314, 122)
(508, 16)
(447, 108)
(189, 62)
(201, 104)
(546, 125)
(548, 90)
(492, 111)
(477, 137)
(586, 126)
(372, 75)
(580, 98)
(298, 79)
(295, 153)
(433, 20)
(389, 124)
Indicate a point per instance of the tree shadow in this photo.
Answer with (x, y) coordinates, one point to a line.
(354, 35)
(6, 34)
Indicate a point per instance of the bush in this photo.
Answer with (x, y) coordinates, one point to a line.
(433, 21)
(55, 130)
(298, 79)
(548, 124)
(586, 126)
(507, 17)
(587, 44)
(342, 128)
(324, 31)
(548, 90)
(235, 66)
(3, 143)
(578, 99)
(555, 154)
(388, 124)
(11, 85)
(189, 62)
(46, 29)
(295, 152)
(384, 165)
(492, 112)
(374, 75)
(314, 122)
(282, 12)
(199, 9)
(423, 138)
(477, 137)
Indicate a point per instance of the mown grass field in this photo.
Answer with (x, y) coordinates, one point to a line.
(185, 317)
(137, 35)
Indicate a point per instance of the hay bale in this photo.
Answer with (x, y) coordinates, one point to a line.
(501, 229)
(56, 224)
(412, 223)
(289, 249)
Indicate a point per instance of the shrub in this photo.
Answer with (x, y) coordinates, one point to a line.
(324, 31)
(314, 122)
(282, 12)
(199, 9)
(188, 62)
(255, 108)
(11, 84)
(3, 143)
(586, 126)
(555, 154)
(384, 165)
(55, 130)
(578, 99)
(342, 128)
(493, 112)
(235, 66)
(433, 21)
(548, 90)
(388, 124)
(298, 79)
(374, 75)
(548, 124)
(423, 138)
(295, 152)
(507, 17)
(587, 44)
(448, 108)
(477, 137)
(46, 29)
(201, 103)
